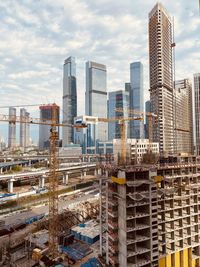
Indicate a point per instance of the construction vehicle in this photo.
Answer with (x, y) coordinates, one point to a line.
(122, 123)
(53, 169)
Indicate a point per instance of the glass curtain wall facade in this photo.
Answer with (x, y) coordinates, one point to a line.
(117, 99)
(197, 110)
(96, 95)
(136, 98)
(86, 137)
(69, 99)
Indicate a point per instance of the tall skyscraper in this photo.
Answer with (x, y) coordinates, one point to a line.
(12, 128)
(69, 99)
(161, 77)
(96, 95)
(44, 130)
(183, 119)
(24, 128)
(136, 98)
(197, 110)
(117, 99)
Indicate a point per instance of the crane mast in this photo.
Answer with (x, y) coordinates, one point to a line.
(53, 187)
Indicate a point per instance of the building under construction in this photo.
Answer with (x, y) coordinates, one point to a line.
(149, 215)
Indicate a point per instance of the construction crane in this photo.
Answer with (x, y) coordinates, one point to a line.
(122, 123)
(151, 116)
(53, 168)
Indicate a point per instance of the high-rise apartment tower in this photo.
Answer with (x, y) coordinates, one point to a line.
(69, 99)
(161, 77)
(24, 128)
(197, 110)
(12, 128)
(183, 119)
(96, 95)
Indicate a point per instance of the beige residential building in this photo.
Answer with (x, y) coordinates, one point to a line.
(161, 77)
(197, 110)
(183, 117)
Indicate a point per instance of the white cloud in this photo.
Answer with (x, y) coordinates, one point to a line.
(36, 37)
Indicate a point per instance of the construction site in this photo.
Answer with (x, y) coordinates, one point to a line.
(144, 214)
(149, 214)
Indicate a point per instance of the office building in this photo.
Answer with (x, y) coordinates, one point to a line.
(183, 117)
(87, 137)
(12, 128)
(46, 115)
(96, 95)
(136, 98)
(69, 99)
(136, 149)
(146, 126)
(161, 77)
(149, 214)
(24, 128)
(197, 110)
(117, 99)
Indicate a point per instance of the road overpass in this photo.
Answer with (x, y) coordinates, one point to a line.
(82, 169)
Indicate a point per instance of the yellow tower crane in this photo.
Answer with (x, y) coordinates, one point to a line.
(122, 123)
(151, 116)
(53, 168)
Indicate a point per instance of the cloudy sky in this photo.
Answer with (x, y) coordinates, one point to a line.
(37, 35)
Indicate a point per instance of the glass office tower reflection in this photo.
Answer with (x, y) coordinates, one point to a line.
(96, 95)
(136, 98)
(117, 99)
(69, 99)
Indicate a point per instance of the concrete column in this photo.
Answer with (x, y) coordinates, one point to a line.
(1, 170)
(29, 163)
(95, 172)
(65, 178)
(99, 171)
(106, 173)
(42, 181)
(84, 173)
(10, 185)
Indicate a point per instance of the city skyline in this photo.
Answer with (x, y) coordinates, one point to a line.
(41, 44)
(134, 16)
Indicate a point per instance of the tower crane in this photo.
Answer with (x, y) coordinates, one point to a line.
(122, 123)
(150, 116)
(53, 168)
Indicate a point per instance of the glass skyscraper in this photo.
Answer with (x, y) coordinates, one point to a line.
(69, 99)
(117, 99)
(136, 98)
(96, 95)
